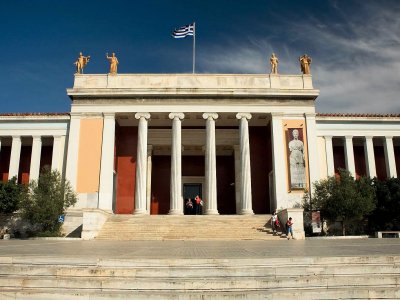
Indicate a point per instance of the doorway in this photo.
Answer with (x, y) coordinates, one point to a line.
(190, 191)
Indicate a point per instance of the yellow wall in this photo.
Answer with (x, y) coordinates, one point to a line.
(287, 124)
(90, 139)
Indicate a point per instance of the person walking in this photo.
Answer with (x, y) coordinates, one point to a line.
(289, 229)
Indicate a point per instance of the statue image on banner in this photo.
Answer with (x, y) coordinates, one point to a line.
(296, 159)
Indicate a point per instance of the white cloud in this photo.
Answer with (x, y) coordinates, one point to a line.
(356, 59)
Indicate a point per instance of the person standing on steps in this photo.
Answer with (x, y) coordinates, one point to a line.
(274, 222)
(289, 229)
(199, 205)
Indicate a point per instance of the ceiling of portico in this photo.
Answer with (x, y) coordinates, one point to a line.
(192, 120)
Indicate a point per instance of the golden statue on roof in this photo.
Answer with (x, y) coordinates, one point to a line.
(305, 62)
(113, 63)
(274, 64)
(81, 62)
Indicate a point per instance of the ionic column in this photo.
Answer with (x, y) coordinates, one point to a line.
(370, 156)
(35, 158)
(149, 170)
(106, 189)
(236, 149)
(141, 164)
(245, 163)
(57, 160)
(349, 155)
(211, 165)
(389, 157)
(73, 149)
(330, 163)
(313, 160)
(176, 206)
(15, 157)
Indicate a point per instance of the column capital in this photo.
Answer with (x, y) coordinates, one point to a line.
(368, 137)
(109, 115)
(175, 115)
(240, 116)
(210, 116)
(348, 137)
(16, 137)
(328, 137)
(388, 137)
(145, 115)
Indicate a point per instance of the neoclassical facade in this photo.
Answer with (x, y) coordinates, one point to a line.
(247, 144)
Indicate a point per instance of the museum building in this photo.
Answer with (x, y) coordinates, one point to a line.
(145, 143)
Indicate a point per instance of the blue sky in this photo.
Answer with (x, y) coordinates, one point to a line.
(354, 44)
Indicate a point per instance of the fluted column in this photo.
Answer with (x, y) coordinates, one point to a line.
(245, 163)
(141, 164)
(370, 156)
(35, 158)
(211, 165)
(349, 155)
(106, 189)
(15, 157)
(330, 163)
(148, 183)
(176, 206)
(389, 157)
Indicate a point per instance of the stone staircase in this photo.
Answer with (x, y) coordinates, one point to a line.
(187, 227)
(367, 277)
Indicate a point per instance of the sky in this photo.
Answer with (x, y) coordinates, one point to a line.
(354, 45)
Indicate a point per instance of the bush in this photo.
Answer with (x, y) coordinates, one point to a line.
(386, 216)
(345, 199)
(10, 195)
(46, 200)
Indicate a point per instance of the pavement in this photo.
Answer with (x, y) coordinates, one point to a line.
(199, 249)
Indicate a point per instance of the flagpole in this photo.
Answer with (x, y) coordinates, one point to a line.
(194, 46)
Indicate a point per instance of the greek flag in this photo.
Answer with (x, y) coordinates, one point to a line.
(183, 31)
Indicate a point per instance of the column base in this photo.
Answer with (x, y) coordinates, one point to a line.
(140, 212)
(175, 212)
(246, 212)
(212, 212)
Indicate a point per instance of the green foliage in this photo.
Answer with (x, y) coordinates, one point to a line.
(10, 195)
(46, 199)
(386, 216)
(344, 199)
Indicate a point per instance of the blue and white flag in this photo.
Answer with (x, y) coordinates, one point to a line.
(183, 31)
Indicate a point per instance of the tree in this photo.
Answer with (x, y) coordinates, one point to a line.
(345, 199)
(10, 195)
(386, 216)
(46, 200)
